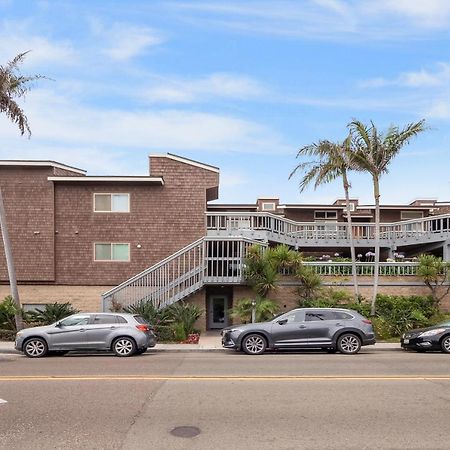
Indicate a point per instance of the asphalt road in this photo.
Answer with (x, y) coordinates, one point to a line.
(383, 400)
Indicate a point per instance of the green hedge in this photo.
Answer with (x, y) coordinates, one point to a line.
(395, 314)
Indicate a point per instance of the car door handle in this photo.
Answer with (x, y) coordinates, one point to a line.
(113, 328)
(82, 330)
(339, 324)
(302, 326)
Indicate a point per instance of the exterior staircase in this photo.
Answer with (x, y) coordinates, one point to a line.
(206, 261)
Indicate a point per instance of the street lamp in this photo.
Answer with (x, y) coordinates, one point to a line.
(253, 310)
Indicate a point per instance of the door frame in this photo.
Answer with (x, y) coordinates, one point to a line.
(210, 309)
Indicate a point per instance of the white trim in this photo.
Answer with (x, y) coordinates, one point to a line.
(111, 195)
(114, 260)
(186, 161)
(12, 162)
(159, 180)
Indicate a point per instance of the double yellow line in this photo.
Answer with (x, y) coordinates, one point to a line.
(225, 378)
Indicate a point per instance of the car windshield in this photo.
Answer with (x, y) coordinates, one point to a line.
(444, 324)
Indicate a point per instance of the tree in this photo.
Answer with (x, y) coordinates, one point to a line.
(434, 273)
(327, 161)
(13, 86)
(373, 153)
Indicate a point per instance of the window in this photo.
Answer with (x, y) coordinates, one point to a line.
(268, 206)
(28, 307)
(409, 215)
(105, 319)
(340, 315)
(112, 252)
(325, 215)
(351, 206)
(75, 320)
(112, 202)
(314, 316)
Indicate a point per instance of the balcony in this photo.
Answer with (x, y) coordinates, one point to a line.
(269, 227)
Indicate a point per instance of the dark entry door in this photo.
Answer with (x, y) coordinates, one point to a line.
(218, 312)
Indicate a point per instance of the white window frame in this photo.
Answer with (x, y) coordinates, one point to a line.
(111, 194)
(351, 206)
(268, 206)
(113, 260)
(326, 212)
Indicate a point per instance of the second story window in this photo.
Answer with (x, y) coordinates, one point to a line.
(112, 203)
(325, 215)
(268, 206)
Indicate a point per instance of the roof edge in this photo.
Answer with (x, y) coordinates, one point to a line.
(184, 160)
(40, 163)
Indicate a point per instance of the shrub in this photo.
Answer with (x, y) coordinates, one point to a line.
(265, 309)
(8, 309)
(184, 315)
(51, 313)
(149, 312)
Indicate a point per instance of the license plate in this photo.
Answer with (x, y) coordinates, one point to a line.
(406, 341)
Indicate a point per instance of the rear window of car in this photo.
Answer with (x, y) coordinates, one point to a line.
(105, 319)
(312, 316)
(140, 319)
(340, 315)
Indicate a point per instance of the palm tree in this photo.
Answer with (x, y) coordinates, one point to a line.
(373, 153)
(331, 161)
(13, 86)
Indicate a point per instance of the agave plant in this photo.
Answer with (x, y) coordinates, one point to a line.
(52, 313)
(8, 310)
(149, 312)
(184, 315)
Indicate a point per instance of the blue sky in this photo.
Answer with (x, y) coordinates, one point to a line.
(237, 84)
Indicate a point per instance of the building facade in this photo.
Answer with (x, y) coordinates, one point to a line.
(95, 240)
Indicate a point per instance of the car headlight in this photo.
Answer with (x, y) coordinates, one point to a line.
(432, 332)
(232, 330)
(19, 333)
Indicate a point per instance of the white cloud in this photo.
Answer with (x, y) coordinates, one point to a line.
(57, 119)
(324, 19)
(213, 86)
(416, 79)
(122, 41)
(18, 37)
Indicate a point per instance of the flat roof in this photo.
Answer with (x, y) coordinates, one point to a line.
(39, 163)
(150, 180)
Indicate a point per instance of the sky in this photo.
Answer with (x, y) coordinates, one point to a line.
(240, 85)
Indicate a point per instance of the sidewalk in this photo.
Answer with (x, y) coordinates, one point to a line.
(209, 342)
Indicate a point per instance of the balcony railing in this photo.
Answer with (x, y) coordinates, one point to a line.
(272, 227)
(389, 269)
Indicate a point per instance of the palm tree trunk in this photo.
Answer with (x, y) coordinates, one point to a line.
(10, 263)
(350, 236)
(376, 194)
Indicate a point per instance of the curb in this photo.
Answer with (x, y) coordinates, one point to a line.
(210, 350)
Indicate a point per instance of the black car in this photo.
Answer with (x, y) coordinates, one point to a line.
(331, 329)
(436, 337)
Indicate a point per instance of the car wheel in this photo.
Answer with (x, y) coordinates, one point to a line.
(35, 348)
(349, 344)
(124, 346)
(254, 344)
(445, 344)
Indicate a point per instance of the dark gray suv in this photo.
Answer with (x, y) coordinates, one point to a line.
(124, 334)
(331, 329)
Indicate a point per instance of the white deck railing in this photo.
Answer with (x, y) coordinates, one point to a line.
(364, 268)
(290, 231)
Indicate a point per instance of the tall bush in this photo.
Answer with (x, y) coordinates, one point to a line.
(265, 309)
(51, 313)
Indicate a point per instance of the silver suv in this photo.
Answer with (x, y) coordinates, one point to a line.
(330, 329)
(124, 334)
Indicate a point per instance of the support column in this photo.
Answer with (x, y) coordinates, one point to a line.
(446, 250)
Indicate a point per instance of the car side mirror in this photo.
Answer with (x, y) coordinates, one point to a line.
(282, 322)
(58, 324)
